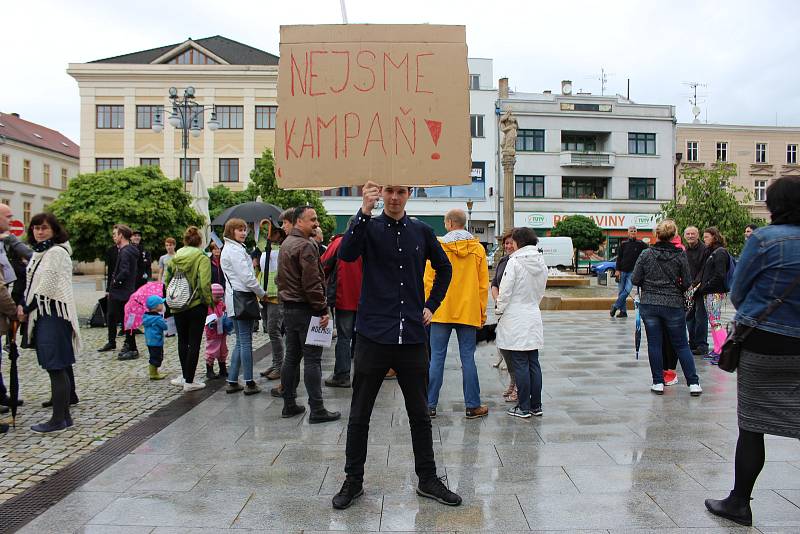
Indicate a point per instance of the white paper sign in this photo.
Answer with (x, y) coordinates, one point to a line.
(318, 336)
(171, 330)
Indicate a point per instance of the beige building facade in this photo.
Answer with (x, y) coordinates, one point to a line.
(36, 164)
(761, 154)
(122, 96)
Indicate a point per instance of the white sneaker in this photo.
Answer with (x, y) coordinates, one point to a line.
(178, 381)
(658, 389)
(695, 390)
(192, 386)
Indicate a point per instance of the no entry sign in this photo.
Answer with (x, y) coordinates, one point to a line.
(16, 227)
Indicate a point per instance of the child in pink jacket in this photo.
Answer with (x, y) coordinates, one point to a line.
(218, 326)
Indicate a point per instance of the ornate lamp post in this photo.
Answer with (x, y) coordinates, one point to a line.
(186, 115)
(470, 203)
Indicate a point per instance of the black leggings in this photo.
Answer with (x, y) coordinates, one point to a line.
(59, 389)
(749, 462)
(189, 325)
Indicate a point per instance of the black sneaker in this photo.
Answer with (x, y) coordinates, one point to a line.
(323, 416)
(291, 410)
(432, 413)
(129, 355)
(4, 428)
(613, 311)
(623, 313)
(108, 347)
(435, 489)
(337, 382)
(351, 490)
(4, 409)
(277, 392)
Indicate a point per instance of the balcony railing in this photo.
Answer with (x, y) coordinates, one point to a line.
(588, 159)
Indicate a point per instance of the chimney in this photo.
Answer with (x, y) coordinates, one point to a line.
(503, 87)
(566, 87)
(548, 92)
(15, 115)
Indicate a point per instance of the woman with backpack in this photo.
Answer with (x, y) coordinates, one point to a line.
(188, 282)
(713, 287)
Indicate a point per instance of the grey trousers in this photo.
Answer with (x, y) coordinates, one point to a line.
(274, 327)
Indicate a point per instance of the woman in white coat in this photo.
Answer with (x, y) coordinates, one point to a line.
(238, 270)
(520, 333)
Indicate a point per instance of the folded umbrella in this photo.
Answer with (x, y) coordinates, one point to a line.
(13, 373)
(637, 336)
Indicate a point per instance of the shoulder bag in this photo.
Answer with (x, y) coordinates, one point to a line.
(737, 333)
(245, 304)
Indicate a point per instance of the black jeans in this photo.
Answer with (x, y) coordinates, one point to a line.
(116, 316)
(296, 321)
(371, 362)
(189, 325)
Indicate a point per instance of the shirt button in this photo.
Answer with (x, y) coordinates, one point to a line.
(399, 250)
(401, 283)
(402, 320)
(401, 266)
(398, 233)
(402, 302)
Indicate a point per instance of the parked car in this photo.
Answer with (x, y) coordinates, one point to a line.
(601, 268)
(557, 251)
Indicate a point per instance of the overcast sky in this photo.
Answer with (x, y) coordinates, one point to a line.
(745, 51)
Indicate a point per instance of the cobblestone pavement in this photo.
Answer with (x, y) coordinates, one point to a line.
(113, 396)
(607, 456)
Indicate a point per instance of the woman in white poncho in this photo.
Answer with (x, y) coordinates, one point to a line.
(520, 333)
(51, 315)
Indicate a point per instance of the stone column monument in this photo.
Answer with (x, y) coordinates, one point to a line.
(508, 152)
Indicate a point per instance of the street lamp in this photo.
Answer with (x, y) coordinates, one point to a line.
(186, 115)
(470, 203)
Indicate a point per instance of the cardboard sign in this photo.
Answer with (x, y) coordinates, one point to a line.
(321, 337)
(358, 102)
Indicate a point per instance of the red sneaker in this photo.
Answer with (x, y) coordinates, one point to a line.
(670, 378)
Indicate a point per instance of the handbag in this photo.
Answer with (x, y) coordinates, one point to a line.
(245, 304)
(737, 333)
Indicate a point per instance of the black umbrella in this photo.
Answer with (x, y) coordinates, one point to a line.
(13, 354)
(250, 212)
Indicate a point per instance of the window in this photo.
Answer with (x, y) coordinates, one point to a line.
(474, 82)
(476, 125)
(146, 114)
(46, 175)
(722, 151)
(642, 143)
(791, 154)
(188, 168)
(578, 143)
(761, 152)
(192, 57)
(26, 171)
(354, 191)
(691, 150)
(760, 190)
(4, 164)
(642, 188)
(230, 117)
(149, 162)
(26, 213)
(530, 140)
(265, 117)
(110, 117)
(585, 188)
(529, 186)
(107, 164)
(64, 178)
(228, 170)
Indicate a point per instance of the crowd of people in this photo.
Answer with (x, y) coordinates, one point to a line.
(387, 284)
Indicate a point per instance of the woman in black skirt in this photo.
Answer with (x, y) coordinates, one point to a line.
(51, 315)
(768, 376)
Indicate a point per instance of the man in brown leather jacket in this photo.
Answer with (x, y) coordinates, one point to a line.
(301, 291)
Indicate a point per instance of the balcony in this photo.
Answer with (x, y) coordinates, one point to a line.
(587, 159)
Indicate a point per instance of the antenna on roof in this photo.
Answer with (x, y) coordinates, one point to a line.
(693, 99)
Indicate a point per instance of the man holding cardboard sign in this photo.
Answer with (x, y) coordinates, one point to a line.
(390, 330)
(389, 102)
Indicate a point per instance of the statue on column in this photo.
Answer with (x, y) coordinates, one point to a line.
(509, 127)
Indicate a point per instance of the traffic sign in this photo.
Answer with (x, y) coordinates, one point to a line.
(16, 228)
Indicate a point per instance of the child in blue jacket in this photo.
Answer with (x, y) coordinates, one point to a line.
(154, 327)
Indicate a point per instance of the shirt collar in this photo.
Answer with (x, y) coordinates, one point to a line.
(389, 221)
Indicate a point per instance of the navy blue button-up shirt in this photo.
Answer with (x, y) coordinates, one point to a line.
(394, 254)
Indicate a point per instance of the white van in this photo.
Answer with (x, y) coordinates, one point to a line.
(557, 251)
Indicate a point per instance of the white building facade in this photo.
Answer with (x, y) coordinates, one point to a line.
(431, 203)
(601, 156)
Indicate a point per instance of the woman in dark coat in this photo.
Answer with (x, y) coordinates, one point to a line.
(51, 315)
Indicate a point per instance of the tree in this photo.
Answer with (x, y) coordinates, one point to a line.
(585, 233)
(263, 183)
(221, 198)
(708, 198)
(141, 197)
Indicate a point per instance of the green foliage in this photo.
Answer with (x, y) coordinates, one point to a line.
(585, 233)
(221, 198)
(141, 197)
(708, 198)
(263, 183)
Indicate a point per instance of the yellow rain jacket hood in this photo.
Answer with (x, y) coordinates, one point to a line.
(467, 296)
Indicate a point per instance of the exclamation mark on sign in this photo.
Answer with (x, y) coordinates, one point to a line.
(435, 127)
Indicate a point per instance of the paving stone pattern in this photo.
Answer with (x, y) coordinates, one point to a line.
(607, 456)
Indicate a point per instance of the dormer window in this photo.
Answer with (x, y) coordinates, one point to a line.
(190, 56)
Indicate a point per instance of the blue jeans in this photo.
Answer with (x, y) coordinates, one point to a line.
(440, 337)
(243, 351)
(625, 285)
(697, 323)
(528, 374)
(658, 320)
(344, 342)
